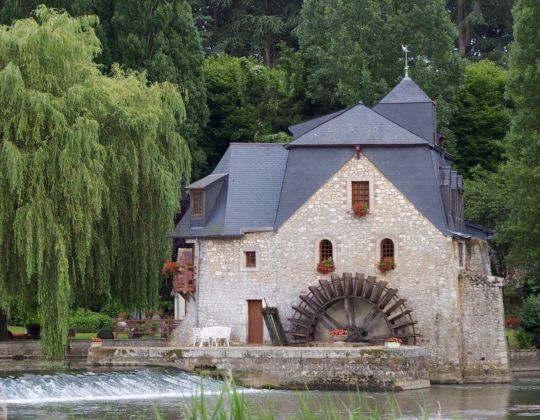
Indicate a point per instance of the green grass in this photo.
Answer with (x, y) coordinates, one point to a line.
(511, 337)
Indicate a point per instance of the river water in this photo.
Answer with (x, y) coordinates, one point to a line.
(137, 393)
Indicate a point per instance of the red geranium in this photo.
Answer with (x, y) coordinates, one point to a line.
(169, 268)
(360, 209)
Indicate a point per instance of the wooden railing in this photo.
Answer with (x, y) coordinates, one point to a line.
(135, 328)
(184, 279)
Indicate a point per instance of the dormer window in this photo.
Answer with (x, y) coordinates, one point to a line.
(196, 203)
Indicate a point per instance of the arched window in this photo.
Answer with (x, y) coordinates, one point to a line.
(325, 250)
(387, 249)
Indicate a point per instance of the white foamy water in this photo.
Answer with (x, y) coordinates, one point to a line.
(103, 386)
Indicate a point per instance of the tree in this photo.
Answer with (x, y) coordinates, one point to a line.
(523, 169)
(481, 118)
(353, 49)
(248, 102)
(90, 170)
(158, 37)
(161, 38)
(485, 28)
(244, 28)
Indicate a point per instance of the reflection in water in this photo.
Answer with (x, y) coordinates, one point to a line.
(134, 394)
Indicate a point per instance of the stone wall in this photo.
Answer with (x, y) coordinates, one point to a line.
(286, 367)
(426, 272)
(484, 348)
(524, 360)
(31, 349)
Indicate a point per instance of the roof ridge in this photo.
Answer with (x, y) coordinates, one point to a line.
(399, 125)
(338, 113)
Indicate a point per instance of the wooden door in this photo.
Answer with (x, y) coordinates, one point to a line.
(255, 322)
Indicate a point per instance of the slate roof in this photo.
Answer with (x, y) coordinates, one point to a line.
(405, 91)
(267, 183)
(357, 125)
(250, 195)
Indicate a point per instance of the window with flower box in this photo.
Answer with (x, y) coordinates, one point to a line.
(360, 193)
(387, 249)
(326, 250)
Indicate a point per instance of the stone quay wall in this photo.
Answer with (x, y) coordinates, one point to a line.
(426, 273)
(373, 368)
(524, 360)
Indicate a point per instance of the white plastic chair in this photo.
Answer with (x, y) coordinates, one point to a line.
(197, 335)
(207, 336)
(222, 333)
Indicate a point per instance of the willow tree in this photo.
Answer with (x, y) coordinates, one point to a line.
(90, 166)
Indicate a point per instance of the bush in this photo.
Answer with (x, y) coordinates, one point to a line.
(83, 320)
(530, 318)
(524, 339)
(22, 314)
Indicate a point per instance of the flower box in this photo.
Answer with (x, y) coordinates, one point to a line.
(392, 342)
(326, 266)
(386, 264)
(360, 209)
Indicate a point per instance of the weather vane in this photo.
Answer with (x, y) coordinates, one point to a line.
(406, 50)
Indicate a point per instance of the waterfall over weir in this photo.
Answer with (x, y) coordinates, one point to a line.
(144, 384)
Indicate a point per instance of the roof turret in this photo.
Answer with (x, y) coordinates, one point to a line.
(406, 91)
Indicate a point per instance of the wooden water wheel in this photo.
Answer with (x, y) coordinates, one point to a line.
(367, 308)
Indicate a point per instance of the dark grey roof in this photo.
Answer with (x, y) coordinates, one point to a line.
(406, 91)
(412, 171)
(479, 231)
(249, 199)
(261, 185)
(357, 125)
(303, 127)
(307, 170)
(206, 181)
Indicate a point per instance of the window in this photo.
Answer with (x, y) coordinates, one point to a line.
(387, 249)
(460, 254)
(196, 203)
(360, 192)
(251, 259)
(325, 250)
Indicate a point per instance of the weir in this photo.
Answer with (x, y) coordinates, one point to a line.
(331, 367)
(32, 388)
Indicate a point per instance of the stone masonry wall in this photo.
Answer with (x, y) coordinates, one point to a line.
(484, 349)
(285, 367)
(426, 272)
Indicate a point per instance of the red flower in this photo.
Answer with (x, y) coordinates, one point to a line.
(169, 268)
(387, 264)
(360, 209)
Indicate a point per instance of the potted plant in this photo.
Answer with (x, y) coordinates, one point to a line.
(326, 266)
(386, 264)
(360, 209)
(168, 269)
(339, 335)
(96, 342)
(392, 342)
(34, 330)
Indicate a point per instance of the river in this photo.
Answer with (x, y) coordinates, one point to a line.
(136, 393)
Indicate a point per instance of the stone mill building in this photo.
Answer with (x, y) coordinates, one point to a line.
(370, 194)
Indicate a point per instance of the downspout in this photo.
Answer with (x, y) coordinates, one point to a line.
(197, 284)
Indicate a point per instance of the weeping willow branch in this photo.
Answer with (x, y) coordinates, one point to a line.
(90, 167)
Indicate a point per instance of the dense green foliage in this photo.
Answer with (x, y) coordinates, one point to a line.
(530, 318)
(247, 28)
(158, 37)
(91, 166)
(485, 28)
(481, 118)
(248, 103)
(86, 321)
(353, 48)
(522, 229)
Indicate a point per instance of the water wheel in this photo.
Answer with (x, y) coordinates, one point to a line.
(367, 308)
